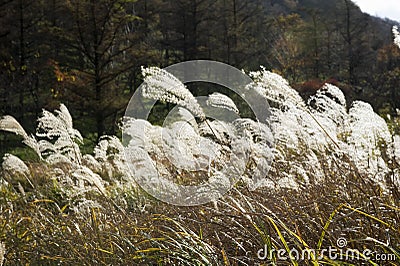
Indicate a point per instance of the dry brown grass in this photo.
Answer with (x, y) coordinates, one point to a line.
(128, 227)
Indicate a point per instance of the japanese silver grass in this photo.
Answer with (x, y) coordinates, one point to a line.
(396, 35)
(163, 86)
(222, 101)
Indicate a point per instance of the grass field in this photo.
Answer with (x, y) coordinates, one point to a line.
(331, 196)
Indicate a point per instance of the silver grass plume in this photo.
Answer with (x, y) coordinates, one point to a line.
(188, 117)
(163, 86)
(13, 164)
(10, 124)
(60, 136)
(222, 101)
(13, 167)
(83, 174)
(2, 252)
(396, 36)
(365, 133)
(327, 110)
(275, 89)
(108, 146)
(109, 154)
(89, 161)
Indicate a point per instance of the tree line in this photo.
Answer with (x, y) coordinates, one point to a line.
(87, 54)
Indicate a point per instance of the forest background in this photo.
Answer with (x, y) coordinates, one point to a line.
(88, 54)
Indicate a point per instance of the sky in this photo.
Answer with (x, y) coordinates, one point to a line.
(381, 8)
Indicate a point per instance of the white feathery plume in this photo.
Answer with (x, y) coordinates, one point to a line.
(328, 94)
(108, 146)
(275, 89)
(188, 117)
(57, 158)
(396, 147)
(10, 124)
(366, 132)
(100, 151)
(222, 101)
(89, 161)
(163, 86)
(298, 128)
(366, 125)
(185, 114)
(258, 132)
(396, 36)
(144, 135)
(220, 130)
(64, 115)
(138, 130)
(287, 182)
(2, 252)
(58, 146)
(13, 164)
(328, 116)
(186, 148)
(46, 147)
(109, 154)
(287, 127)
(52, 126)
(83, 174)
(294, 126)
(180, 143)
(259, 139)
(59, 128)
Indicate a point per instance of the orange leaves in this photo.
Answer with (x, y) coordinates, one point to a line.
(62, 76)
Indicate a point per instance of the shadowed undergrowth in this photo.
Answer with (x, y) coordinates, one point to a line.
(38, 228)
